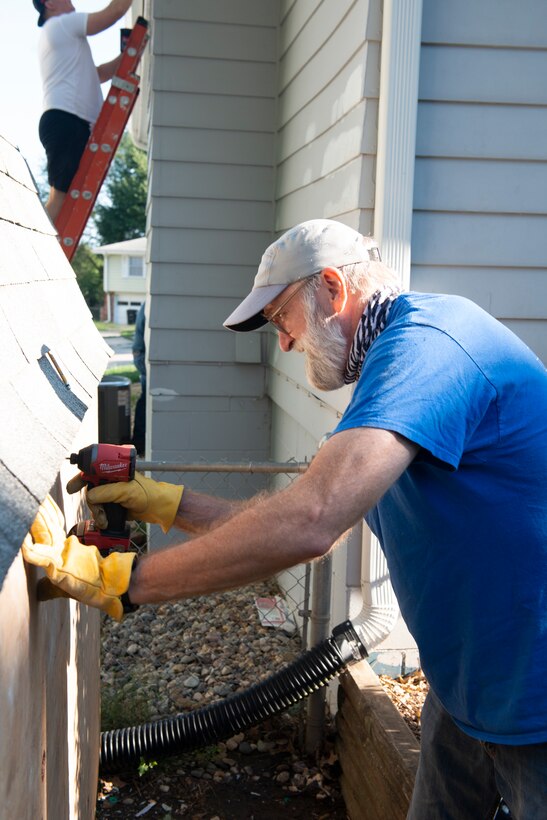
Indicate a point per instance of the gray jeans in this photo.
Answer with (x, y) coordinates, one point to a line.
(460, 778)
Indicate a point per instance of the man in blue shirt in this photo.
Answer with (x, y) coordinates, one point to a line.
(443, 448)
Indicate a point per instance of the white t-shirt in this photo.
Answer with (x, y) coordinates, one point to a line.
(69, 77)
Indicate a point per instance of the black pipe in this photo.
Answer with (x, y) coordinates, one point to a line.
(191, 730)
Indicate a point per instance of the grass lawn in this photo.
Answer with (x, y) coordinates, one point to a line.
(127, 331)
(128, 370)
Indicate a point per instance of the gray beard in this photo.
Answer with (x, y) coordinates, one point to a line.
(326, 349)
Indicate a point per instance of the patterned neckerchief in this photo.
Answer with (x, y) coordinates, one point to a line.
(371, 324)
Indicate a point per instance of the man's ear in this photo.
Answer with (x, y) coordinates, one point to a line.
(336, 288)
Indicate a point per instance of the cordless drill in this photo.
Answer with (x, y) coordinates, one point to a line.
(105, 464)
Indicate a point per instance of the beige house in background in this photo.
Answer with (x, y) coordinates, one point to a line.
(124, 280)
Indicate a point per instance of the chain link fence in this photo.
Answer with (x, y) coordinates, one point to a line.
(236, 481)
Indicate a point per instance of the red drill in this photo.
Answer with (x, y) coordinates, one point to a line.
(104, 464)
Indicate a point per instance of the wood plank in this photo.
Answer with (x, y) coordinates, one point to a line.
(210, 404)
(203, 75)
(375, 788)
(489, 131)
(490, 75)
(208, 247)
(479, 239)
(205, 379)
(246, 12)
(490, 22)
(217, 181)
(195, 279)
(217, 41)
(204, 346)
(222, 214)
(196, 345)
(223, 111)
(203, 145)
(193, 313)
(378, 752)
(478, 186)
(211, 432)
(366, 696)
(507, 293)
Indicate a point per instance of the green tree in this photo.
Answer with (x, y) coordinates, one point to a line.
(123, 213)
(88, 267)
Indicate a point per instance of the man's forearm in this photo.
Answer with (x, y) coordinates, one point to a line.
(269, 534)
(199, 513)
(106, 71)
(260, 542)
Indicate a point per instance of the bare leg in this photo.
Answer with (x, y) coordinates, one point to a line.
(54, 203)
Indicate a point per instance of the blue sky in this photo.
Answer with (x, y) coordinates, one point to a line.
(21, 93)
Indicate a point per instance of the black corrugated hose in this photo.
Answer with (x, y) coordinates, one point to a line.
(217, 721)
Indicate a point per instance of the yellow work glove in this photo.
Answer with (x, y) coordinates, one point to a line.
(155, 502)
(75, 570)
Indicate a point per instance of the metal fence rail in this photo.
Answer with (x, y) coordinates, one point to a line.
(233, 480)
(250, 467)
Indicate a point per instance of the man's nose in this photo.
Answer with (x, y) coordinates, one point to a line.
(286, 341)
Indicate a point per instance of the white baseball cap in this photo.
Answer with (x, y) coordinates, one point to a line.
(300, 252)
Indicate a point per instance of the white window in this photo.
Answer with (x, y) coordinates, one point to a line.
(135, 266)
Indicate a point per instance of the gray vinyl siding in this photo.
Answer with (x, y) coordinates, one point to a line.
(329, 56)
(210, 216)
(480, 209)
(327, 111)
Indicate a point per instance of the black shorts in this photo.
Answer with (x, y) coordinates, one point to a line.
(64, 136)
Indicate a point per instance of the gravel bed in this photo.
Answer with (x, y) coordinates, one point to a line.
(181, 656)
(178, 657)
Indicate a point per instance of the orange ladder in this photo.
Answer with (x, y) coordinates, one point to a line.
(103, 142)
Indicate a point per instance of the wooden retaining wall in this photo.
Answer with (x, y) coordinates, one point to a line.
(378, 752)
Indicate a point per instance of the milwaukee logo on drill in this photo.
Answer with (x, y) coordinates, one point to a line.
(109, 467)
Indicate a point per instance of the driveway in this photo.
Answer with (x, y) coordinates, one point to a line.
(122, 349)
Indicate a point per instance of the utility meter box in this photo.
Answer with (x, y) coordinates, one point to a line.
(115, 410)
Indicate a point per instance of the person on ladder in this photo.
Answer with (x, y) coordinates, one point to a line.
(71, 86)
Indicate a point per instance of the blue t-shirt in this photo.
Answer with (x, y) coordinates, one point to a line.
(464, 529)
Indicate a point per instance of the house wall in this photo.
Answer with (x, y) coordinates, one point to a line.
(328, 88)
(210, 215)
(480, 210)
(49, 652)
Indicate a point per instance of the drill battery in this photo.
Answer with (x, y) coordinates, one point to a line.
(105, 540)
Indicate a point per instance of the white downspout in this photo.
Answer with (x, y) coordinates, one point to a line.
(397, 115)
(372, 605)
(371, 595)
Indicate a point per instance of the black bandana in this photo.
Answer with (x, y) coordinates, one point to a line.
(372, 322)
